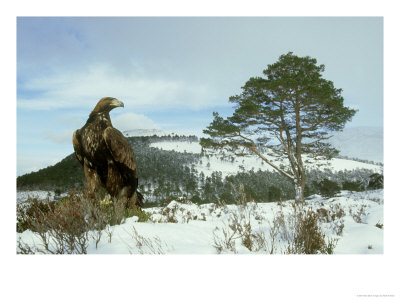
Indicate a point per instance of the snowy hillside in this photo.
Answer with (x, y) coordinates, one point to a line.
(360, 142)
(229, 166)
(351, 223)
(364, 142)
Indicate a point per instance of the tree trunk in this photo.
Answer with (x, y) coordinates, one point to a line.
(299, 185)
(299, 193)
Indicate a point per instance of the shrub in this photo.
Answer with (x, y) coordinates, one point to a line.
(302, 232)
(32, 210)
(328, 188)
(57, 192)
(375, 181)
(146, 245)
(138, 212)
(308, 238)
(355, 186)
(226, 197)
(359, 213)
(64, 226)
(310, 189)
(170, 214)
(196, 199)
(274, 193)
(298, 232)
(240, 229)
(333, 213)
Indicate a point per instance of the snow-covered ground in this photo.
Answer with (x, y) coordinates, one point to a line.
(22, 196)
(351, 219)
(361, 142)
(226, 166)
(180, 146)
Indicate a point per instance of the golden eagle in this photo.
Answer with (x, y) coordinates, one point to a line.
(106, 156)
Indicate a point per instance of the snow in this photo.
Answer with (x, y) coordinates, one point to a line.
(360, 239)
(189, 147)
(196, 229)
(196, 226)
(151, 132)
(226, 166)
(338, 164)
(359, 236)
(22, 196)
(361, 142)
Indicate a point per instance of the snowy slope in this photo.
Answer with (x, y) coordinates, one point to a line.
(360, 142)
(355, 142)
(198, 227)
(227, 166)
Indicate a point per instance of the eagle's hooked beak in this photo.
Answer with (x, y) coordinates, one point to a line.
(117, 103)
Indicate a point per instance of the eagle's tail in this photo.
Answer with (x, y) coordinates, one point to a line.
(139, 199)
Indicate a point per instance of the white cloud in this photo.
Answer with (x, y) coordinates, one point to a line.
(131, 121)
(85, 88)
(27, 163)
(61, 137)
(122, 122)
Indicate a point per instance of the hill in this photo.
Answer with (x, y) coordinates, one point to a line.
(174, 166)
(66, 174)
(364, 143)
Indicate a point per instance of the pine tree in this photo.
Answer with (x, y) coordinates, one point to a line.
(290, 112)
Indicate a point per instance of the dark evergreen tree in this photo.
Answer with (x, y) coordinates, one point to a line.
(290, 112)
(274, 194)
(355, 186)
(328, 188)
(375, 181)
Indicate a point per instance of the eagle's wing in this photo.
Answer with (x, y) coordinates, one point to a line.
(120, 148)
(77, 147)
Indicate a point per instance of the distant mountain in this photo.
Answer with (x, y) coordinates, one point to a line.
(360, 142)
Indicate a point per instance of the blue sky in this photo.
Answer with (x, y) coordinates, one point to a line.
(172, 73)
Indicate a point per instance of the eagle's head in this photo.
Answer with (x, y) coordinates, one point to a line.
(106, 104)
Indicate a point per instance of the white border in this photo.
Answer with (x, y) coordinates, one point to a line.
(199, 277)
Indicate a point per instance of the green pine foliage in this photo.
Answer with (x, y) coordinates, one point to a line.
(375, 181)
(328, 188)
(290, 111)
(64, 175)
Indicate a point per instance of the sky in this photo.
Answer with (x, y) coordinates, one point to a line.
(173, 72)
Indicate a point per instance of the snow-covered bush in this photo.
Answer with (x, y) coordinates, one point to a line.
(308, 237)
(241, 228)
(145, 245)
(63, 226)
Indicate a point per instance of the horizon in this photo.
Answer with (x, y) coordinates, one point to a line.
(173, 72)
(378, 156)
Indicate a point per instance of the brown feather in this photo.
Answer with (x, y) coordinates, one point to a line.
(119, 147)
(105, 154)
